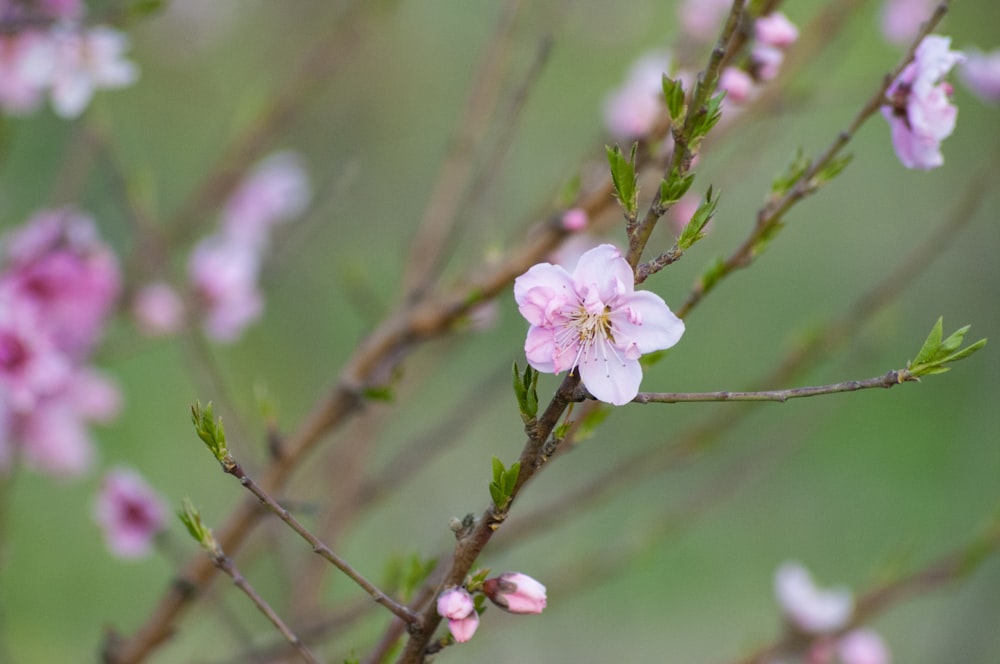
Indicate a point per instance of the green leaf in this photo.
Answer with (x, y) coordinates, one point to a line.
(693, 231)
(379, 393)
(510, 477)
(498, 470)
(191, 519)
(673, 94)
(931, 344)
(712, 274)
(935, 352)
(783, 183)
(624, 179)
(210, 430)
(834, 168)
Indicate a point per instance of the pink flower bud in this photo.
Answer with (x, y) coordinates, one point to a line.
(516, 593)
(158, 310)
(574, 220)
(455, 604)
(129, 512)
(863, 646)
(737, 84)
(464, 628)
(776, 30)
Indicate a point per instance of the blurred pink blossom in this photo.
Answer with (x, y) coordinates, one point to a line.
(129, 512)
(24, 66)
(31, 367)
(981, 74)
(901, 19)
(275, 191)
(224, 275)
(766, 61)
(863, 646)
(83, 61)
(632, 109)
(682, 211)
(775, 30)
(594, 320)
(158, 310)
(737, 83)
(516, 593)
(812, 609)
(921, 114)
(575, 220)
(702, 19)
(60, 268)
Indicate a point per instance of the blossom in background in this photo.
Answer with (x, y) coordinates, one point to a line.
(921, 114)
(224, 276)
(158, 310)
(276, 190)
(702, 19)
(632, 109)
(775, 30)
(84, 61)
(737, 83)
(129, 512)
(58, 286)
(863, 646)
(595, 321)
(810, 608)
(456, 605)
(24, 66)
(981, 74)
(516, 593)
(901, 19)
(575, 220)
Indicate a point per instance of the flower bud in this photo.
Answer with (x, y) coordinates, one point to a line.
(516, 593)
(455, 604)
(463, 629)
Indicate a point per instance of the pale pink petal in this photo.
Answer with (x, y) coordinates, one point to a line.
(463, 629)
(604, 269)
(776, 30)
(644, 319)
(812, 609)
(863, 646)
(535, 290)
(609, 376)
(981, 73)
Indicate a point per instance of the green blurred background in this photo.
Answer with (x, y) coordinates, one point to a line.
(858, 486)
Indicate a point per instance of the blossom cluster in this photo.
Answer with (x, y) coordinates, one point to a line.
(58, 285)
(224, 267)
(824, 615)
(47, 50)
(129, 512)
(511, 591)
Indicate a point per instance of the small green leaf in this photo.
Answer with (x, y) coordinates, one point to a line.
(560, 431)
(379, 393)
(715, 271)
(931, 344)
(624, 179)
(834, 168)
(498, 470)
(694, 230)
(510, 478)
(783, 183)
(593, 419)
(935, 352)
(210, 430)
(191, 519)
(673, 94)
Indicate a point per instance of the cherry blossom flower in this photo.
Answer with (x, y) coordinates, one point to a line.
(921, 114)
(224, 275)
(275, 191)
(595, 321)
(457, 606)
(24, 66)
(85, 60)
(981, 74)
(901, 19)
(516, 593)
(631, 110)
(702, 19)
(31, 367)
(863, 646)
(158, 310)
(737, 83)
(775, 30)
(130, 513)
(810, 608)
(765, 61)
(58, 266)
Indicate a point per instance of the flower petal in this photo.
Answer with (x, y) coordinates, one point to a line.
(535, 290)
(609, 375)
(643, 320)
(603, 269)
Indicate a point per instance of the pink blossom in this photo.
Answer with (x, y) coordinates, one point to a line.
(24, 63)
(683, 210)
(275, 191)
(575, 219)
(594, 320)
(129, 512)
(632, 110)
(775, 30)
(921, 114)
(516, 593)
(224, 275)
(457, 606)
(85, 60)
(702, 19)
(54, 438)
(981, 74)
(58, 265)
(901, 19)
(158, 310)
(863, 646)
(737, 83)
(810, 608)
(31, 367)
(766, 61)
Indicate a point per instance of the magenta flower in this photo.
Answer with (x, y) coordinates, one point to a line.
(810, 608)
(575, 220)
(516, 593)
(457, 606)
(921, 114)
(129, 512)
(594, 320)
(981, 73)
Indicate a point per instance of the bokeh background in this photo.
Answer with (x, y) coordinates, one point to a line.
(859, 487)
